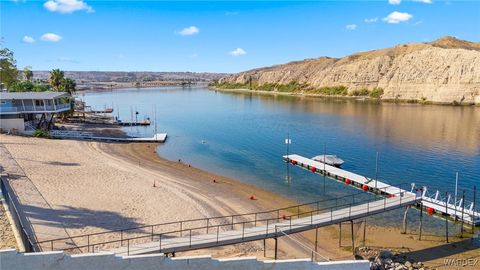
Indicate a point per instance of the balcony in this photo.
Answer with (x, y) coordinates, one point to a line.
(35, 109)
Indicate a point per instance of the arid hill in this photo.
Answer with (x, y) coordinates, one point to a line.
(446, 70)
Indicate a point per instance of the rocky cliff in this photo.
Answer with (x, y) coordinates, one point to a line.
(446, 70)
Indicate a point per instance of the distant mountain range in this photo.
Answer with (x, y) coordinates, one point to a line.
(446, 70)
(107, 80)
(118, 76)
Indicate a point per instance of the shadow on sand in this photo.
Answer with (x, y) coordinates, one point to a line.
(446, 250)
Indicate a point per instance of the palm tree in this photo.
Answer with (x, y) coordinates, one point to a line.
(27, 73)
(69, 85)
(56, 79)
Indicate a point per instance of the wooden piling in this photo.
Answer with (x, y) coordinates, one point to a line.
(353, 237)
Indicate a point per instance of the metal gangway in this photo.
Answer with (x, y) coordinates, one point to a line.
(457, 210)
(227, 230)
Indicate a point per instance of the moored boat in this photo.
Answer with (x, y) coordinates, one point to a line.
(329, 159)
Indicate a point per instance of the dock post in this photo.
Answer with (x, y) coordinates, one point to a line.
(276, 247)
(364, 230)
(446, 219)
(264, 248)
(316, 240)
(340, 236)
(353, 237)
(463, 210)
(405, 220)
(421, 222)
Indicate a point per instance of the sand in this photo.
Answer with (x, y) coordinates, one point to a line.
(93, 187)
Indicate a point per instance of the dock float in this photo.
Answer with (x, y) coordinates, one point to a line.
(456, 211)
(159, 137)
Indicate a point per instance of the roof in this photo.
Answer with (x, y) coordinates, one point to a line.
(31, 95)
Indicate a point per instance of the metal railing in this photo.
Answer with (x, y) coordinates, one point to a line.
(39, 108)
(214, 225)
(12, 208)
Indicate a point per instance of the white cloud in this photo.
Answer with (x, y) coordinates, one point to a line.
(397, 17)
(50, 37)
(67, 6)
(192, 30)
(28, 39)
(351, 27)
(238, 52)
(424, 1)
(394, 2)
(371, 20)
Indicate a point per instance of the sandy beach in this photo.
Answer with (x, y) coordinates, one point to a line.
(93, 187)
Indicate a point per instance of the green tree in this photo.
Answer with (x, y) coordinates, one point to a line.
(27, 73)
(8, 68)
(56, 79)
(21, 86)
(69, 86)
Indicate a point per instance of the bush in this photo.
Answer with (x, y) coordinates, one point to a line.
(40, 133)
(333, 91)
(232, 85)
(376, 92)
(361, 92)
(28, 86)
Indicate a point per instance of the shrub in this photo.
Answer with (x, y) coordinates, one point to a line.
(333, 91)
(376, 92)
(40, 133)
(360, 92)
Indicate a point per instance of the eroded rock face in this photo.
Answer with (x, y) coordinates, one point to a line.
(445, 71)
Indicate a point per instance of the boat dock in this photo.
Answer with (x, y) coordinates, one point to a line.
(79, 135)
(457, 211)
(133, 123)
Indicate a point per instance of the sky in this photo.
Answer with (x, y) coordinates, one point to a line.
(218, 36)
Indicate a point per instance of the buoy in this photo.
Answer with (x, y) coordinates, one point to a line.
(364, 187)
(348, 181)
(313, 169)
(253, 197)
(430, 211)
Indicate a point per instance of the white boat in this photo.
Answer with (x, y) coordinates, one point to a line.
(329, 159)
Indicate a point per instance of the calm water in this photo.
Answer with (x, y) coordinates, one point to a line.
(242, 136)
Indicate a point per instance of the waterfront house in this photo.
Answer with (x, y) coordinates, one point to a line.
(30, 110)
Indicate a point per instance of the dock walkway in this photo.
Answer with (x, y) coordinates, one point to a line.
(78, 135)
(457, 211)
(243, 233)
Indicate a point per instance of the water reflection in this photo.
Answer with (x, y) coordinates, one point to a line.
(446, 128)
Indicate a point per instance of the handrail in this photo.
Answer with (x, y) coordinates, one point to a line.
(152, 234)
(211, 218)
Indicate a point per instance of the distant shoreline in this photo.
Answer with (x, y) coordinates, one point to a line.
(340, 97)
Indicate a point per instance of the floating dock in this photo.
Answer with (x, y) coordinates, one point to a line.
(78, 135)
(458, 211)
(134, 123)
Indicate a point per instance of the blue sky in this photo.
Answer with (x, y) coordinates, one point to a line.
(218, 36)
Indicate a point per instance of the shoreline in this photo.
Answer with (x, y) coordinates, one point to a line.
(339, 97)
(123, 191)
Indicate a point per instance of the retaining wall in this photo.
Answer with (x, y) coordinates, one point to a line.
(13, 260)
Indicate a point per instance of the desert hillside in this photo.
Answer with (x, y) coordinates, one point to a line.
(446, 70)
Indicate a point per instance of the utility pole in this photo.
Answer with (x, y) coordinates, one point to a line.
(288, 141)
